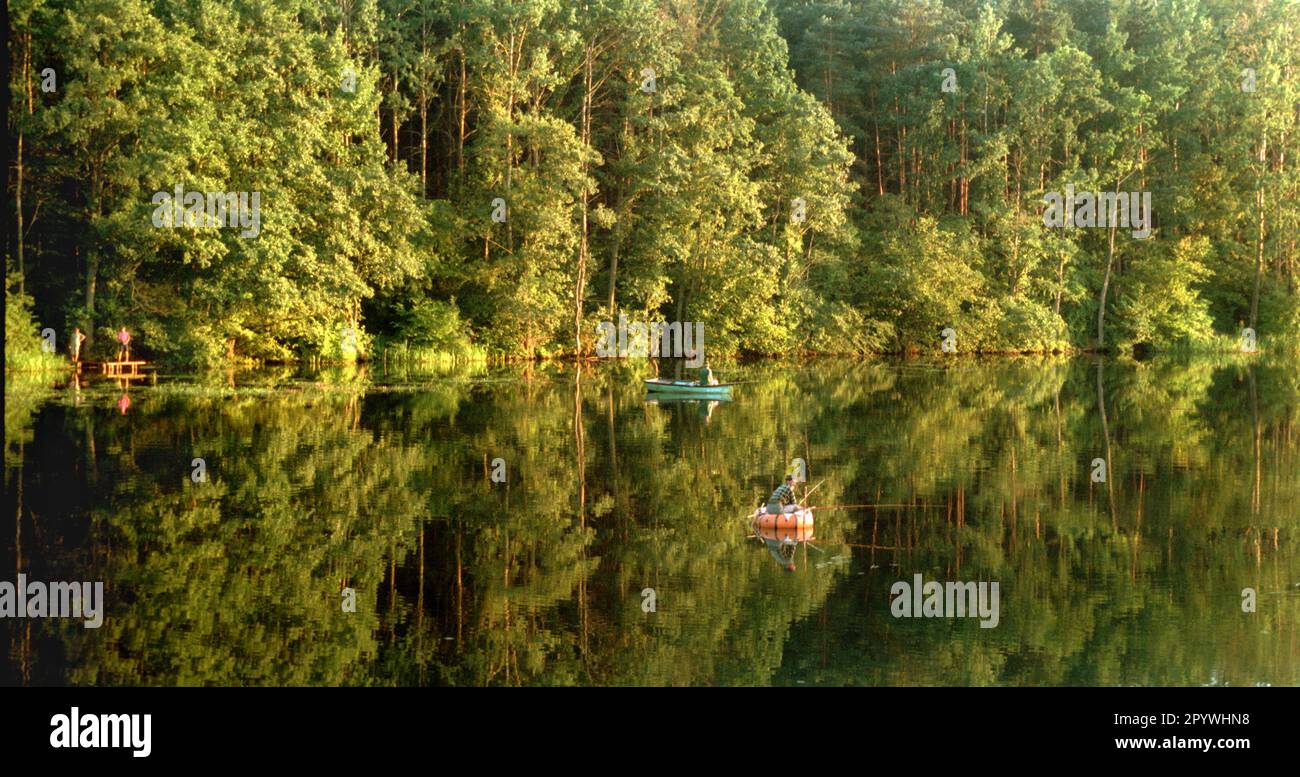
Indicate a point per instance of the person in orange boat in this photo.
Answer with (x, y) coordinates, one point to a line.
(782, 499)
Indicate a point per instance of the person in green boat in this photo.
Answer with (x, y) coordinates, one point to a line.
(706, 376)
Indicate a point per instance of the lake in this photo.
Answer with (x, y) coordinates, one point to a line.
(541, 525)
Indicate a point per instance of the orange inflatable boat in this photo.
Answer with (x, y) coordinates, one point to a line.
(799, 519)
(800, 534)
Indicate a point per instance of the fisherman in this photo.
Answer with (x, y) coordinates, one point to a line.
(706, 376)
(782, 499)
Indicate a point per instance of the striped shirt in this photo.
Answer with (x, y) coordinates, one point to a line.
(783, 494)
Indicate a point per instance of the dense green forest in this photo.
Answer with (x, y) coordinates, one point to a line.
(495, 177)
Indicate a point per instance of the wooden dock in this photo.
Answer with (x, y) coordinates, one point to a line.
(129, 369)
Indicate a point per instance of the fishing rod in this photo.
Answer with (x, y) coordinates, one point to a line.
(887, 506)
(808, 493)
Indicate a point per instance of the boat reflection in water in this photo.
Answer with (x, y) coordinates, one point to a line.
(783, 533)
(705, 407)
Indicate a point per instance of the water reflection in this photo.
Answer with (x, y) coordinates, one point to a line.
(378, 480)
(784, 544)
(702, 408)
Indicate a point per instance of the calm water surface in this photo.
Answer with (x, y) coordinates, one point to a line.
(380, 482)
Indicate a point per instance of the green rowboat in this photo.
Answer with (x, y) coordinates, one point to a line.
(688, 388)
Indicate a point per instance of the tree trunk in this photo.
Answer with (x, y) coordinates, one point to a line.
(1060, 283)
(581, 281)
(424, 144)
(92, 257)
(18, 212)
(1105, 287)
(424, 77)
(18, 184)
(395, 147)
(510, 140)
(461, 115)
(613, 270)
(1259, 242)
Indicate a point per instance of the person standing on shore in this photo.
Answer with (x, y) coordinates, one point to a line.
(124, 340)
(78, 337)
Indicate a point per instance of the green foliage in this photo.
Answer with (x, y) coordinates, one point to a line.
(1045, 95)
(841, 329)
(1159, 304)
(23, 343)
(1026, 325)
(380, 134)
(924, 281)
(433, 328)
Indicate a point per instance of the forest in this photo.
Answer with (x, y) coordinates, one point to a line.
(468, 179)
